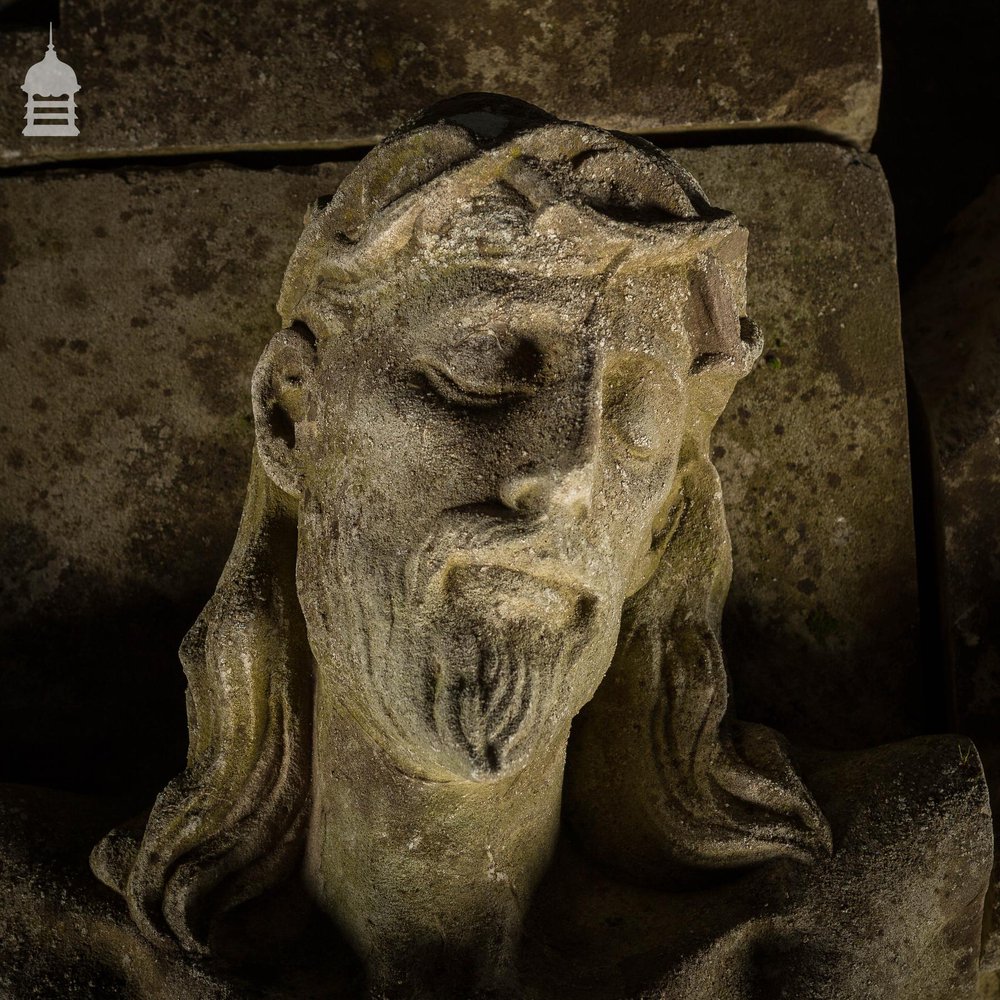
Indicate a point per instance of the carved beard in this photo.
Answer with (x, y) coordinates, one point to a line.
(499, 670)
(463, 656)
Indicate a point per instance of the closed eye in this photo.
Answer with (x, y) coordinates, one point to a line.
(465, 391)
(482, 368)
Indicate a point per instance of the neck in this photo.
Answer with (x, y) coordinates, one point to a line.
(431, 880)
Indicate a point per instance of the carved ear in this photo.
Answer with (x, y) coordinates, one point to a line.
(281, 388)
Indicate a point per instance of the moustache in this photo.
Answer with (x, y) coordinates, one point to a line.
(520, 561)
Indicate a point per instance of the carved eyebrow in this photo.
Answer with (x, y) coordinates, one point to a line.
(454, 326)
(505, 361)
(513, 344)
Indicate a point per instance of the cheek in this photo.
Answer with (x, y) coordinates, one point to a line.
(633, 499)
(430, 450)
(397, 473)
(399, 457)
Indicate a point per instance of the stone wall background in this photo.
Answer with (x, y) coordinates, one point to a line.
(145, 297)
(175, 78)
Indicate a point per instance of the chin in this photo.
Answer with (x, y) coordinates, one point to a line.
(472, 665)
(514, 656)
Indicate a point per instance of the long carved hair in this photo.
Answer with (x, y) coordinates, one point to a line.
(697, 790)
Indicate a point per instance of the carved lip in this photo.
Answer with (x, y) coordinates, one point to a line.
(543, 584)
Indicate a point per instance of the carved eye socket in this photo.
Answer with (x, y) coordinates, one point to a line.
(482, 370)
(454, 389)
(639, 404)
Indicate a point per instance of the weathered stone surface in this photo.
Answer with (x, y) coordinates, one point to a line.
(159, 78)
(952, 331)
(134, 305)
(589, 936)
(472, 614)
(63, 934)
(481, 512)
(813, 453)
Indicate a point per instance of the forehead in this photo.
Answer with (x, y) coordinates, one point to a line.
(644, 311)
(470, 297)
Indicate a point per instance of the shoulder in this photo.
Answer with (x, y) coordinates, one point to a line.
(62, 933)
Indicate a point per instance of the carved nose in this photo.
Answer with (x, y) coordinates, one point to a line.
(543, 492)
(564, 479)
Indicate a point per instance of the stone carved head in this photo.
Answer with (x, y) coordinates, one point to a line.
(481, 508)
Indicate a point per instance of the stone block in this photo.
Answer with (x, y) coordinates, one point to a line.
(820, 628)
(160, 78)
